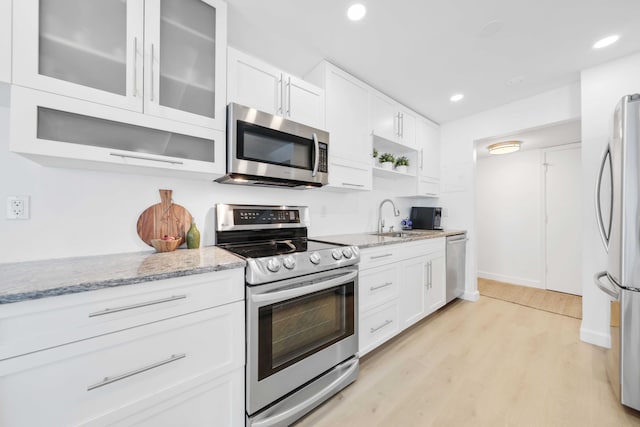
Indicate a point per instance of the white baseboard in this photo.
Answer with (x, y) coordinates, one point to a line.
(511, 279)
(596, 338)
(472, 296)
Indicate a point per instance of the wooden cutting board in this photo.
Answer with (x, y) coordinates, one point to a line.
(164, 219)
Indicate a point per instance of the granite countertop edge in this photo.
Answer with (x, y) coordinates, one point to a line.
(32, 280)
(371, 240)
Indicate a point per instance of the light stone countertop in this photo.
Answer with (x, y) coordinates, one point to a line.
(30, 280)
(371, 240)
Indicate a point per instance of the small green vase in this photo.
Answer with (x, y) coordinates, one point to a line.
(193, 236)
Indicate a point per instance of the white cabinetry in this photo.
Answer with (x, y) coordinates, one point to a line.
(122, 84)
(391, 120)
(256, 84)
(347, 120)
(379, 288)
(398, 286)
(5, 41)
(428, 139)
(160, 57)
(164, 353)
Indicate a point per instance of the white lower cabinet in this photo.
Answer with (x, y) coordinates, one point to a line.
(185, 370)
(398, 286)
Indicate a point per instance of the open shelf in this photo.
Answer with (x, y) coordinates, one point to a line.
(386, 173)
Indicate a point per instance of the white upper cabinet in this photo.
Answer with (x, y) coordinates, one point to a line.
(428, 141)
(256, 84)
(5, 41)
(161, 57)
(391, 120)
(347, 121)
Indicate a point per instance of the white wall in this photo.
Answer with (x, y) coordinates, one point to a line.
(459, 163)
(509, 214)
(79, 212)
(602, 88)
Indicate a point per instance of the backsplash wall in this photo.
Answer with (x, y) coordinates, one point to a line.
(80, 212)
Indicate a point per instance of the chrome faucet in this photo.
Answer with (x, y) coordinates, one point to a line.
(396, 212)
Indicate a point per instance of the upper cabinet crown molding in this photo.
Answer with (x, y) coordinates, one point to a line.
(111, 53)
(259, 85)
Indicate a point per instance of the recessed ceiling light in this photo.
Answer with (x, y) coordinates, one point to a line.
(607, 41)
(356, 12)
(457, 97)
(504, 147)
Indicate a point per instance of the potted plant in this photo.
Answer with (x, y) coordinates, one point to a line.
(386, 161)
(401, 164)
(375, 157)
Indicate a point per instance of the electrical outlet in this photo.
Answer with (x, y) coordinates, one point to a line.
(18, 207)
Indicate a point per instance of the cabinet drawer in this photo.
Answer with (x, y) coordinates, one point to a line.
(374, 257)
(75, 383)
(377, 326)
(36, 325)
(422, 247)
(377, 286)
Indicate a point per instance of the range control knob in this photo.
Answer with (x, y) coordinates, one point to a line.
(314, 258)
(336, 254)
(273, 265)
(289, 262)
(347, 252)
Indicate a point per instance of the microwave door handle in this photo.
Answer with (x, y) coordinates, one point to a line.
(277, 296)
(317, 153)
(604, 235)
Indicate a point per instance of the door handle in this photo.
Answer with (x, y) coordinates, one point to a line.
(153, 92)
(289, 97)
(604, 234)
(280, 95)
(135, 67)
(277, 296)
(316, 163)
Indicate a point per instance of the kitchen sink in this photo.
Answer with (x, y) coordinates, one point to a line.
(399, 234)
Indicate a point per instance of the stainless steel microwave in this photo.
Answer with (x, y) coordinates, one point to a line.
(268, 150)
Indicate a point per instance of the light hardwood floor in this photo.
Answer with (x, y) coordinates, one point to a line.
(489, 363)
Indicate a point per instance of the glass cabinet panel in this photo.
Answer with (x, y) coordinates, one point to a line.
(74, 128)
(187, 56)
(84, 42)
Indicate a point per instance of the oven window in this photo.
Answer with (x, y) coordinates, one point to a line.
(269, 146)
(294, 329)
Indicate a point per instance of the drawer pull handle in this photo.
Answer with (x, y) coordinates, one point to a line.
(110, 380)
(381, 256)
(386, 322)
(375, 288)
(132, 306)
(352, 185)
(130, 156)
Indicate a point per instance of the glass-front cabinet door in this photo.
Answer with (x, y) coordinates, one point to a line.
(84, 49)
(185, 72)
(160, 57)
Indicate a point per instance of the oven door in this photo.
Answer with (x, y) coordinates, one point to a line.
(298, 329)
(263, 145)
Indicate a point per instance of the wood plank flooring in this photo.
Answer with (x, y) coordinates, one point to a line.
(555, 302)
(489, 363)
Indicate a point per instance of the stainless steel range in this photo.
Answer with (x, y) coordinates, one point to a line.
(301, 310)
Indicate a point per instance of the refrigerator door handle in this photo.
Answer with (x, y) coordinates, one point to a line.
(613, 293)
(604, 234)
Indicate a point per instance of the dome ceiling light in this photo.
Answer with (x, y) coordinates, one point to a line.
(607, 41)
(504, 147)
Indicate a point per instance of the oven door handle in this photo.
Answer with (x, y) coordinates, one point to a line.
(276, 296)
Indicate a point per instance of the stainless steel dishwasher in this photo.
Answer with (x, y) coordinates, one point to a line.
(456, 251)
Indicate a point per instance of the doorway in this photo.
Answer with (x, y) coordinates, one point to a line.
(563, 218)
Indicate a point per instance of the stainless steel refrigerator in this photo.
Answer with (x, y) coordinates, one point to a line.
(618, 214)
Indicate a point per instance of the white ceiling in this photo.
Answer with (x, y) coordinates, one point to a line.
(548, 136)
(421, 52)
